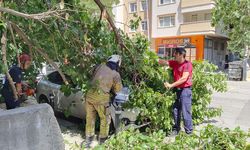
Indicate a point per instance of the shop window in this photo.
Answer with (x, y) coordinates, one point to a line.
(191, 53)
(222, 47)
(210, 43)
(165, 53)
(161, 51)
(216, 45)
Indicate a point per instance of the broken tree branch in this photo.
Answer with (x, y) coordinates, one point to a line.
(14, 41)
(4, 44)
(38, 16)
(112, 24)
(39, 50)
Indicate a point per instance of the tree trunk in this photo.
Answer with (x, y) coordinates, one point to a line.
(4, 44)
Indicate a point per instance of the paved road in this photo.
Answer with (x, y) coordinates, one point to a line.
(235, 104)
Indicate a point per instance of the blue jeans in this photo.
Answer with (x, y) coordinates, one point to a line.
(182, 106)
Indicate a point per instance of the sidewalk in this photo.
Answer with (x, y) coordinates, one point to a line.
(235, 104)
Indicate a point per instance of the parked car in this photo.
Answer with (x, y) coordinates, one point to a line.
(48, 91)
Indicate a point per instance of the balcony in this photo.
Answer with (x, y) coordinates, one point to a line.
(196, 5)
(201, 27)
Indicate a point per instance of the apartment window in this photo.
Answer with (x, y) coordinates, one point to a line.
(194, 18)
(143, 5)
(166, 21)
(208, 16)
(133, 7)
(144, 25)
(162, 2)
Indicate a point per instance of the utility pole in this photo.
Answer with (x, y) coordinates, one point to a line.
(245, 67)
(148, 25)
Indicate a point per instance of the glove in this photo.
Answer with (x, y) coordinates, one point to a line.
(30, 92)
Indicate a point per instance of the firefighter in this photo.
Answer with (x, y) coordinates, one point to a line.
(16, 74)
(106, 79)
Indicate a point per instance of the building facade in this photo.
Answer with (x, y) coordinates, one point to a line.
(173, 23)
(128, 10)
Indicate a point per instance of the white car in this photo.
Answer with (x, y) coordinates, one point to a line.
(48, 91)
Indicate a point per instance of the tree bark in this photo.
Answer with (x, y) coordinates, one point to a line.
(38, 16)
(14, 41)
(39, 50)
(4, 44)
(112, 24)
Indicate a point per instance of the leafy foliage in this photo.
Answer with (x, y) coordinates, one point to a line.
(155, 101)
(131, 139)
(233, 17)
(206, 80)
(209, 138)
(79, 40)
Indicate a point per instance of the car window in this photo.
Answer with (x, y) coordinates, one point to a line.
(55, 78)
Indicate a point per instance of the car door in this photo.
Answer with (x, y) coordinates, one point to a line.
(73, 104)
(77, 106)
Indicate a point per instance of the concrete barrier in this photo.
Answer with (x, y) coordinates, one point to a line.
(30, 128)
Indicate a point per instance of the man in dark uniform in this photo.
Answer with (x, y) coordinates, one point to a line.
(16, 74)
(182, 72)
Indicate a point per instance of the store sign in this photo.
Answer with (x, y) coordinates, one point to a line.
(176, 41)
(171, 45)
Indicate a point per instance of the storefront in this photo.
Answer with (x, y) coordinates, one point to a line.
(215, 50)
(198, 47)
(194, 46)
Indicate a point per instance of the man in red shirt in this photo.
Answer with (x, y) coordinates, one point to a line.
(182, 72)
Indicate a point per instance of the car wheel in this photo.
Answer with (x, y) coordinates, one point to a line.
(125, 121)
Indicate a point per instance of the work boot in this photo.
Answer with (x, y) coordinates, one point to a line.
(102, 140)
(88, 141)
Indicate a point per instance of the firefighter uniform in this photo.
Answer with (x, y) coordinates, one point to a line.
(97, 99)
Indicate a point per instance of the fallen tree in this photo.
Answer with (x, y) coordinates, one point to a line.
(82, 39)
